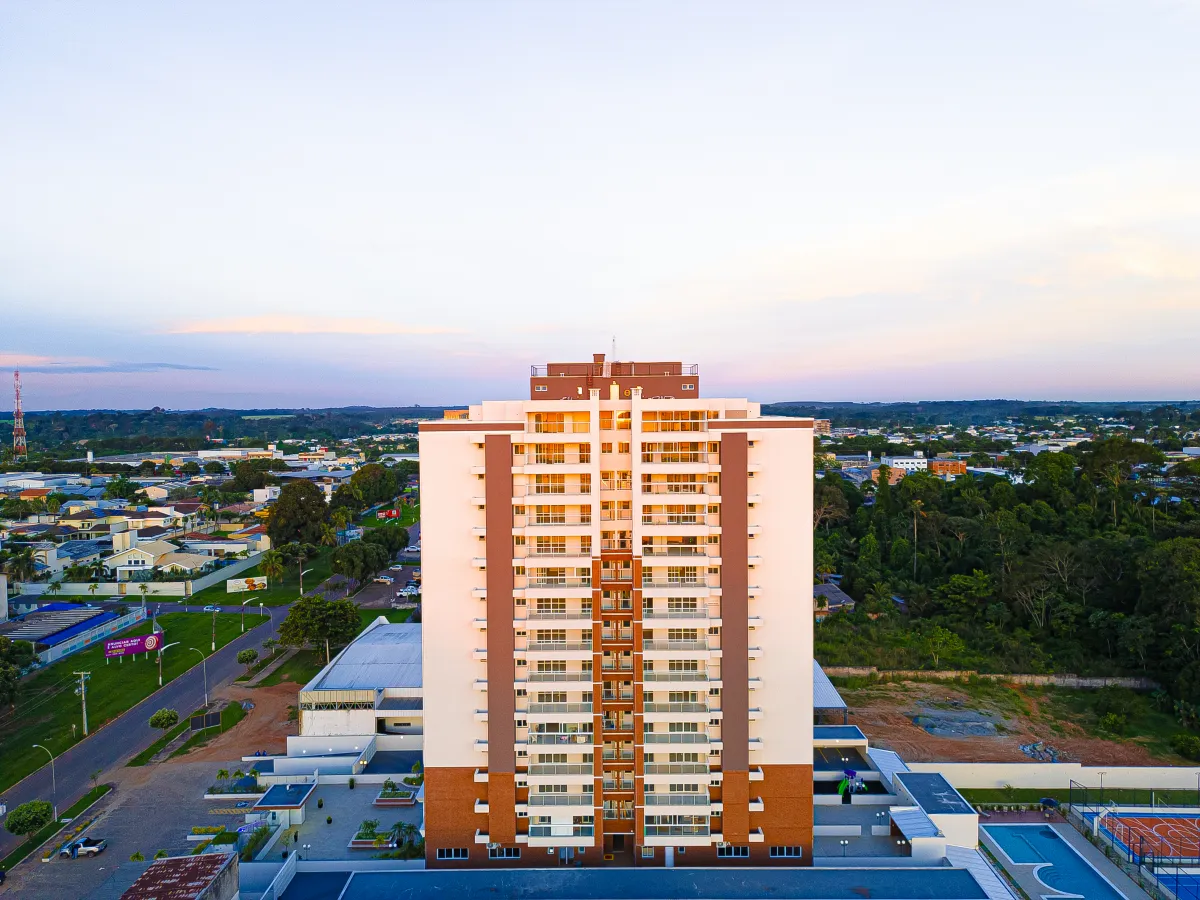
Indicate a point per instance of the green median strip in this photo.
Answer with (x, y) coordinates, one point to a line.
(154, 749)
(230, 716)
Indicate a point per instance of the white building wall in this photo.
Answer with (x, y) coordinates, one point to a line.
(783, 484)
(448, 636)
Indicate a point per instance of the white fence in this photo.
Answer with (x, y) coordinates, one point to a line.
(91, 636)
(1050, 776)
(132, 589)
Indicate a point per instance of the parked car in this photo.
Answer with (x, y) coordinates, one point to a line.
(384, 579)
(413, 548)
(396, 568)
(211, 608)
(85, 847)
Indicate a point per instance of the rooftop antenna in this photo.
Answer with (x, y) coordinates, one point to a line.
(20, 447)
(614, 348)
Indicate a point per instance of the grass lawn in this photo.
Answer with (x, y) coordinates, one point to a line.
(146, 755)
(392, 615)
(300, 669)
(230, 716)
(48, 706)
(279, 593)
(408, 516)
(40, 837)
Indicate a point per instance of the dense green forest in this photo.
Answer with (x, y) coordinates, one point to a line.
(1091, 566)
(117, 431)
(971, 412)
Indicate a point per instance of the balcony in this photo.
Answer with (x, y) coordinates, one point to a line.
(617, 725)
(559, 428)
(699, 517)
(668, 676)
(481, 776)
(675, 737)
(650, 580)
(552, 769)
(557, 739)
(554, 581)
(676, 645)
(559, 615)
(553, 647)
(681, 488)
(541, 800)
(481, 806)
(614, 755)
(676, 769)
(686, 551)
(613, 666)
(675, 707)
(555, 677)
(616, 606)
(565, 458)
(691, 799)
(619, 637)
(677, 835)
(581, 522)
(610, 813)
(623, 697)
(552, 490)
(624, 545)
(537, 708)
(686, 457)
(560, 831)
(616, 484)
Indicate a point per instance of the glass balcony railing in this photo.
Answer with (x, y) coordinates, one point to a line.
(675, 645)
(677, 800)
(561, 769)
(676, 769)
(561, 800)
(559, 708)
(561, 831)
(675, 676)
(675, 707)
(675, 737)
(675, 830)
(559, 676)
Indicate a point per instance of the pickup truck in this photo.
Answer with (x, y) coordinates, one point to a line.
(85, 847)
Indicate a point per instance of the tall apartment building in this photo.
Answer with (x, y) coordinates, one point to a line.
(617, 625)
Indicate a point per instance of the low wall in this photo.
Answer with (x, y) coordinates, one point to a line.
(129, 589)
(1071, 681)
(92, 636)
(1051, 776)
(400, 742)
(221, 574)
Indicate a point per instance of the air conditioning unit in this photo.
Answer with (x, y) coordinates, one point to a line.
(493, 846)
(721, 845)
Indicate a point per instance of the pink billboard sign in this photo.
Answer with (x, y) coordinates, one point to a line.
(146, 643)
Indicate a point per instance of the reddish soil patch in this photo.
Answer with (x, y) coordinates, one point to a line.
(884, 713)
(265, 727)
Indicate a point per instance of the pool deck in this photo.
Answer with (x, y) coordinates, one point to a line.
(1028, 882)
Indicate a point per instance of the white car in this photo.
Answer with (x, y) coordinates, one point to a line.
(413, 548)
(396, 568)
(384, 579)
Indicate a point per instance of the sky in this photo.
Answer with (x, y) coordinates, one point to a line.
(311, 204)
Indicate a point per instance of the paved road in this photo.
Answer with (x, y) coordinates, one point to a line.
(130, 733)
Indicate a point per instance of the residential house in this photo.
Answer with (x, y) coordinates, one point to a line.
(132, 556)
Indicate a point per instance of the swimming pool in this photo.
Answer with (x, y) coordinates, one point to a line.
(1060, 867)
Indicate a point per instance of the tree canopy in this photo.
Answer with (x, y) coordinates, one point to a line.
(317, 622)
(298, 514)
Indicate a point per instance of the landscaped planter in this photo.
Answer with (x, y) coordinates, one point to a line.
(369, 844)
(396, 798)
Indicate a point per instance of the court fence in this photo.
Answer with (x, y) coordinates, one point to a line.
(1165, 865)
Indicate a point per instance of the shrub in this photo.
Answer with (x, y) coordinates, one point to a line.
(329, 820)
(1115, 700)
(389, 785)
(164, 719)
(351, 783)
(29, 817)
(137, 856)
(368, 828)
(161, 854)
(1112, 723)
(1186, 745)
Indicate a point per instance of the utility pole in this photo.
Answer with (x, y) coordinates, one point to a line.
(83, 678)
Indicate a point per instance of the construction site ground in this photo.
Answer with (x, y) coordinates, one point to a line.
(988, 722)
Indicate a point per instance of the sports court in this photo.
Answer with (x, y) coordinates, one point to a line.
(1161, 836)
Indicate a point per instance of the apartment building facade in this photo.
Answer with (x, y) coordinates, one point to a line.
(617, 625)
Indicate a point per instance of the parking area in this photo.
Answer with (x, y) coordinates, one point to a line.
(150, 808)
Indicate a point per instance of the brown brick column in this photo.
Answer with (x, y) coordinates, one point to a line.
(735, 638)
(501, 669)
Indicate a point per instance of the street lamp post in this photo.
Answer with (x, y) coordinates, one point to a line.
(844, 844)
(214, 632)
(1101, 774)
(53, 781)
(160, 656)
(204, 671)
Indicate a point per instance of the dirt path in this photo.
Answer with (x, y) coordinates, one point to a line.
(265, 727)
(885, 714)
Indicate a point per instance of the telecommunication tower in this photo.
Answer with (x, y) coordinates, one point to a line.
(20, 447)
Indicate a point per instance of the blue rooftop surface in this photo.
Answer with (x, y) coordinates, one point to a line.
(646, 884)
(934, 794)
(838, 733)
(286, 795)
(75, 630)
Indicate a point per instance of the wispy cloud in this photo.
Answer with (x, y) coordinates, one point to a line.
(103, 367)
(287, 324)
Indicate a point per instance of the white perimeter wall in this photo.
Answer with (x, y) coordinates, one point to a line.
(447, 579)
(1060, 775)
(785, 544)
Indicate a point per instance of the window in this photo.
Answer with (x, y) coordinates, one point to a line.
(794, 852)
(451, 852)
(504, 853)
(682, 387)
(647, 853)
(730, 851)
(536, 387)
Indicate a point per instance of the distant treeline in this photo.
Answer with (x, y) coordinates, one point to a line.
(981, 412)
(127, 431)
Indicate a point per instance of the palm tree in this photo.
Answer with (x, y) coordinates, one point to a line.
(222, 774)
(145, 589)
(272, 565)
(54, 588)
(328, 536)
(340, 516)
(92, 588)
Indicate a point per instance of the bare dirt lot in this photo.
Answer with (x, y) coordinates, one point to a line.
(265, 727)
(985, 724)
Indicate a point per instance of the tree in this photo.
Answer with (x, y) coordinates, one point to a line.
(247, 657)
(214, 468)
(298, 514)
(272, 565)
(29, 817)
(359, 560)
(313, 621)
(164, 719)
(92, 588)
(10, 685)
(941, 642)
(374, 483)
